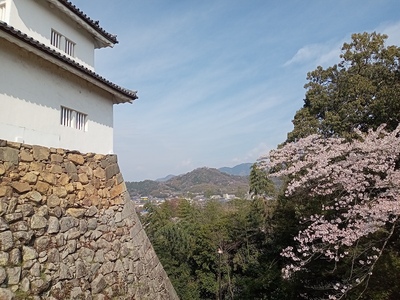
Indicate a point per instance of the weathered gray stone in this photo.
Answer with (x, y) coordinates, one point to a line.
(38, 222)
(3, 224)
(56, 211)
(65, 272)
(35, 270)
(86, 254)
(76, 212)
(83, 226)
(92, 224)
(66, 223)
(13, 275)
(23, 237)
(103, 228)
(28, 253)
(95, 234)
(25, 284)
(9, 154)
(15, 257)
(53, 225)
(53, 201)
(6, 240)
(34, 196)
(38, 286)
(118, 267)
(10, 218)
(19, 226)
(60, 191)
(91, 211)
(80, 268)
(74, 208)
(99, 256)
(111, 256)
(53, 256)
(12, 205)
(118, 217)
(111, 171)
(76, 293)
(71, 246)
(103, 244)
(42, 243)
(6, 294)
(30, 177)
(40, 153)
(70, 168)
(128, 210)
(3, 275)
(26, 209)
(4, 258)
(6, 191)
(98, 284)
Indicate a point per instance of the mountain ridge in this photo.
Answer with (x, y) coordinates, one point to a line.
(242, 169)
(202, 180)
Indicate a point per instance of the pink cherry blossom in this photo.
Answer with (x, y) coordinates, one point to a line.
(366, 176)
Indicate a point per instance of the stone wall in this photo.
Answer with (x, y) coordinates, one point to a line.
(68, 229)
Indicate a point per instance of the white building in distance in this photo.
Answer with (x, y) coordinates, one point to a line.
(50, 94)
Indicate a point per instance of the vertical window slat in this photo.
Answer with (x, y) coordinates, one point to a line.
(3, 11)
(69, 47)
(73, 118)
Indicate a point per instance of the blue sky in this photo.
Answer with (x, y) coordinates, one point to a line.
(219, 81)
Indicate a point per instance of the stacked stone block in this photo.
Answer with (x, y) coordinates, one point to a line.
(68, 229)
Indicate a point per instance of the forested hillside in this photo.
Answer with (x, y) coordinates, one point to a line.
(202, 180)
(330, 230)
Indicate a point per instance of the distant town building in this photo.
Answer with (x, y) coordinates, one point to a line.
(50, 94)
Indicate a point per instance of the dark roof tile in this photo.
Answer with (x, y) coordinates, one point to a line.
(36, 44)
(94, 24)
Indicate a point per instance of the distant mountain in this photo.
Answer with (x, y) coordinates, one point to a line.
(168, 177)
(239, 170)
(203, 180)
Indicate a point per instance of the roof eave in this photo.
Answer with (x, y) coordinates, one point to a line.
(102, 38)
(120, 95)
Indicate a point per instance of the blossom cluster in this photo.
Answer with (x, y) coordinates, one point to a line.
(360, 180)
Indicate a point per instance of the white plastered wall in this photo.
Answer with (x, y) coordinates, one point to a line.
(37, 18)
(32, 92)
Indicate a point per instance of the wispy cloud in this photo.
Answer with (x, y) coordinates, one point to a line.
(218, 81)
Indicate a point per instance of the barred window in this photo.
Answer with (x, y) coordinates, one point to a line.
(69, 47)
(2, 11)
(62, 43)
(73, 118)
(56, 39)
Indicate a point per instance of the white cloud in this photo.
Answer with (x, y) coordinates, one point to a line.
(323, 54)
(393, 32)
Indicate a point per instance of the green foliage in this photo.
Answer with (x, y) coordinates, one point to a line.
(260, 184)
(202, 180)
(187, 239)
(362, 91)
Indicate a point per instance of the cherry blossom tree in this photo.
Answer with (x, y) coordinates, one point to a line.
(359, 181)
